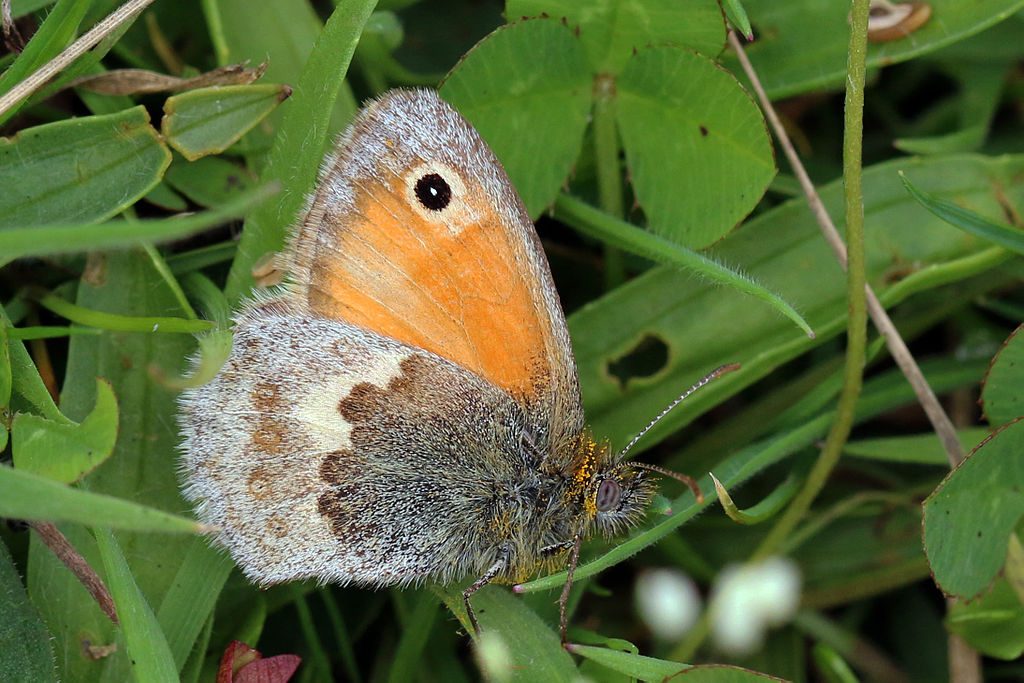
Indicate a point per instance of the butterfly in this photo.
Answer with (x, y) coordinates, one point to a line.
(405, 407)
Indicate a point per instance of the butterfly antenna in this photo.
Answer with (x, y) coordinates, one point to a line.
(689, 481)
(714, 374)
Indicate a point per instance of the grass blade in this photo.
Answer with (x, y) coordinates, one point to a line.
(42, 240)
(29, 496)
(623, 235)
(968, 221)
(294, 159)
(148, 653)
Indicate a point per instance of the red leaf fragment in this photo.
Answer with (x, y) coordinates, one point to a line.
(243, 664)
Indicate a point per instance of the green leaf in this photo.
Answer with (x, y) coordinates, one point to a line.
(215, 345)
(164, 197)
(633, 665)
(26, 383)
(704, 326)
(122, 323)
(1002, 397)
(192, 595)
(57, 239)
(210, 181)
(239, 32)
(651, 669)
(55, 33)
(209, 120)
(922, 449)
(46, 332)
(25, 652)
(214, 349)
(408, 656)
(298, 146)
(763, 510)
(534, 648)
(147, 650)
(993, 624)
(802, 46)
(94, 166)
(617, 233)
(832, 666)
(721, 673)
(143, 468)
(66, 453)
(611, 30)
(737, 16)
(20, 8)
(5, 366)
(527, 90)
(31, 496)
(698, 151)
(969, 221)
(5, 382)
(968, 519)
(203, 257)
(193, 668)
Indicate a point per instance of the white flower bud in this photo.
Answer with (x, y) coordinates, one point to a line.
(668, 602)
(748, 599)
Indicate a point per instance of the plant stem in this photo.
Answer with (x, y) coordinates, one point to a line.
(856, 329)
(897, 347)
(964, 663)
(695, 637)
(59, 545)
(609, 177)
(85, 42)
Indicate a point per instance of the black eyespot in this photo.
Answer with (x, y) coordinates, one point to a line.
(433, 192)
(608, 494)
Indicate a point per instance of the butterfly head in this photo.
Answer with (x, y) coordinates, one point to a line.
(616, 491)
(620, 497)
(613, 493)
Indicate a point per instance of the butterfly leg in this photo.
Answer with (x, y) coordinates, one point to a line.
(556, 548)
(495, 569)
(563, 601)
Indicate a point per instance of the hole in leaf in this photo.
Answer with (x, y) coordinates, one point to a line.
(646, 359)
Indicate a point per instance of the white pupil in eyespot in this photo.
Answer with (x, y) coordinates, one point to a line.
(433, 192)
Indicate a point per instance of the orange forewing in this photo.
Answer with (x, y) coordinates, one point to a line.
(462, 295)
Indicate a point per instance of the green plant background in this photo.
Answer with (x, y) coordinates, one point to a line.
(676, 245)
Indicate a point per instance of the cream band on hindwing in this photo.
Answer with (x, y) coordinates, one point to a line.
(318, 410)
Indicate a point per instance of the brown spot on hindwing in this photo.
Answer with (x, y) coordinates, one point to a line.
(270, 430)
(268, 435)
(414, 391)
(265, 396)
(260, 483)
(385, 423)
(346, 505)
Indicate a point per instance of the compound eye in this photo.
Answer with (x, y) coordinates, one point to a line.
(608, 495)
